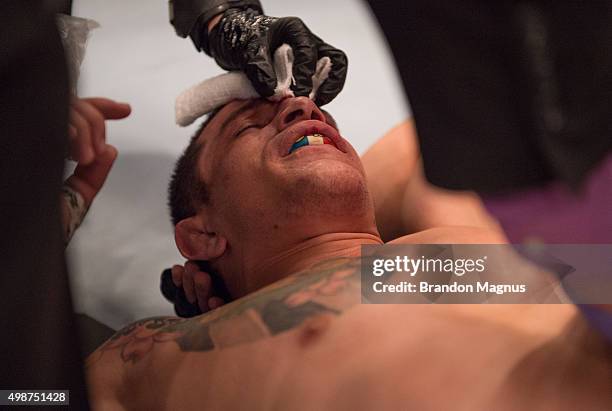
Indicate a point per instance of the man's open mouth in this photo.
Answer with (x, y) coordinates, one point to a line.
(311, 140)
(309, 133)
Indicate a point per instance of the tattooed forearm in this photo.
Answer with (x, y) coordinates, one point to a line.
(328, 288)
(73, 210)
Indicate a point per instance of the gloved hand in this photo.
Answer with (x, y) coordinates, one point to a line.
(246, 40)
(193, 289)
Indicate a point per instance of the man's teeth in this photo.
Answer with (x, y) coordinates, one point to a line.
(310, 140)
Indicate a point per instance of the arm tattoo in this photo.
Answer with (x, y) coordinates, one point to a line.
(327, 288)
(74, 211)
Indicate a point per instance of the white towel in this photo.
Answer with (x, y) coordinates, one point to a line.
(215, 92)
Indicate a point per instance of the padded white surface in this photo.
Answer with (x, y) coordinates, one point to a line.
(127, 240)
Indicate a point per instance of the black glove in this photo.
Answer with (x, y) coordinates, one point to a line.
(246, 40)
(176, 295)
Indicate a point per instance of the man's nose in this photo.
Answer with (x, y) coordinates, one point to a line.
(294, 110)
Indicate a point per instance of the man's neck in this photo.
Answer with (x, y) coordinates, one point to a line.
(304, 255)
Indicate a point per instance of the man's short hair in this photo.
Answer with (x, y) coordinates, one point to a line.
(187, 192)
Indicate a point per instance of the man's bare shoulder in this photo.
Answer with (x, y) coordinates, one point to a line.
(207, 359)
(327, 288)
(453, 235)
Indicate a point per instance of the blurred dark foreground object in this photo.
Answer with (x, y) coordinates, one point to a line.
(505, 94)
(39, 348)
(92, 333)
(60, 6)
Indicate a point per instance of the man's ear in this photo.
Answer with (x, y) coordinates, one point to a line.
(195, 242)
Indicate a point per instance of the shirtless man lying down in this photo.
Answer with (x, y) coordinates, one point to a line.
(282, 223)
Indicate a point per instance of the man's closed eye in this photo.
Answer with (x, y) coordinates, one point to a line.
(246, 128)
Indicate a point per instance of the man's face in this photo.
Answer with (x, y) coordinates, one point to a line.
(254, 178)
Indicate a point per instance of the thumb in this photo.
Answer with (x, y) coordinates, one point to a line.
(110, 109)
(89, 179)
(260, 72)
(293, 31)
(337, 76)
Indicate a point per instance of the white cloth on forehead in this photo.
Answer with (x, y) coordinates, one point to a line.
(215, 92)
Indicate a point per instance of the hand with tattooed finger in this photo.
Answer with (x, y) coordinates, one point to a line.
(88, 147)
